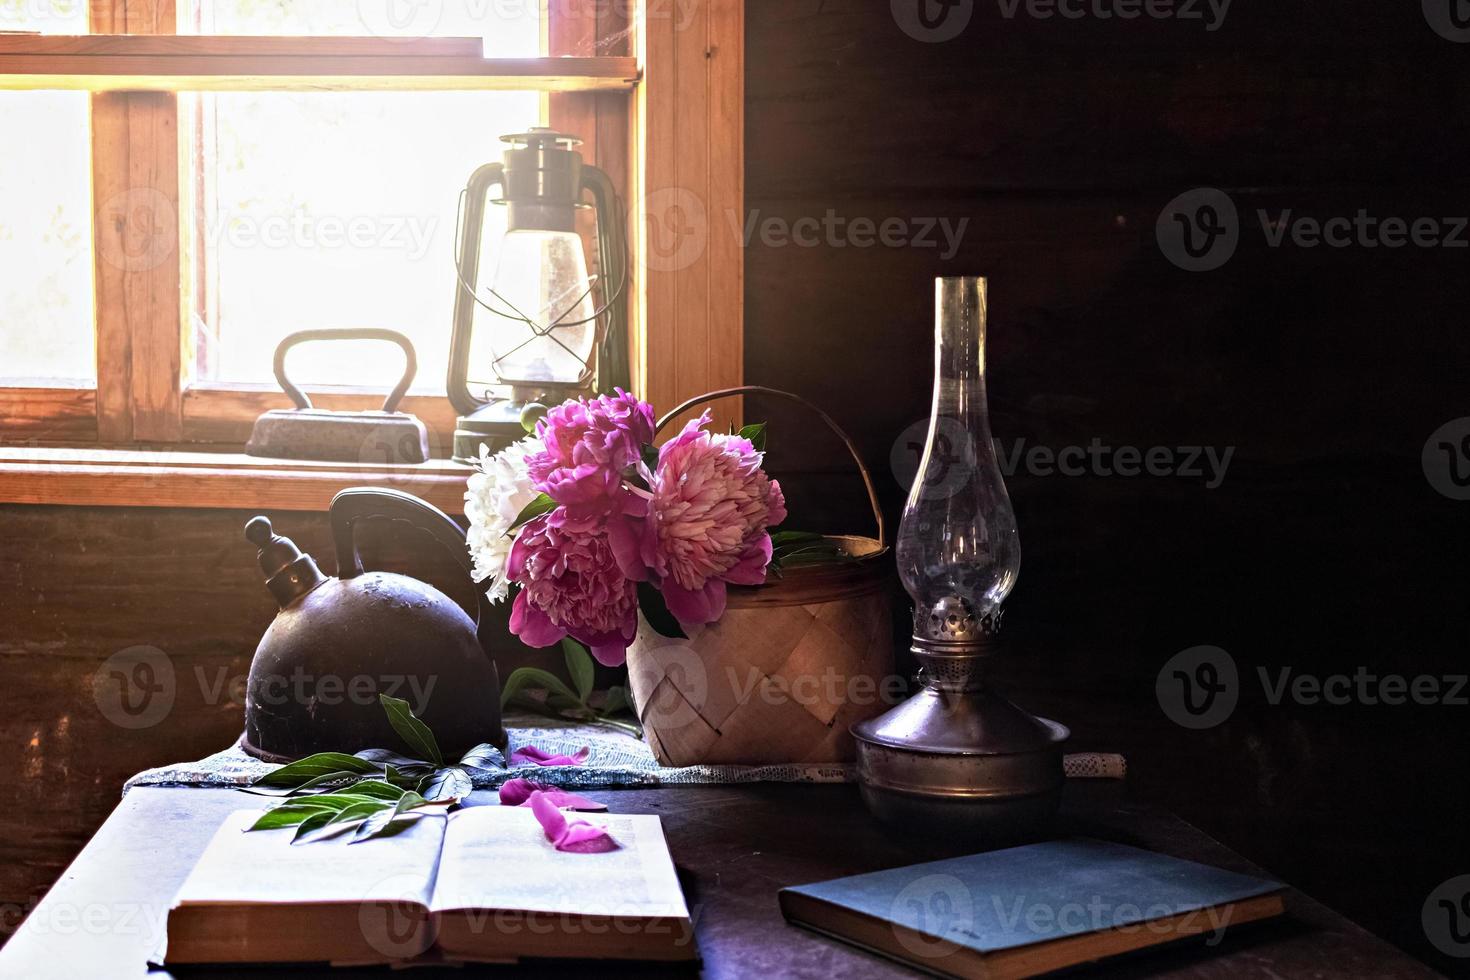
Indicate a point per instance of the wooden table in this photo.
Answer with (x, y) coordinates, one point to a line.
(734, 845)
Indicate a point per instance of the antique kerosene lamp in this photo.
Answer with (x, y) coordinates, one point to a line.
(541, 330)
(957, 757)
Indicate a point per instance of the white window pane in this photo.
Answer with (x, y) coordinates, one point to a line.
(511, 28)
(334, 209)
(45, 16)
(46, 301)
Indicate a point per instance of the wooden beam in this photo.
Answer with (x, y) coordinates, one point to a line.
(689, 203)
(129, 478)
(47, 414)
(122, 62)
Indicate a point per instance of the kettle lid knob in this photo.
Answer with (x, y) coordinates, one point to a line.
(288, 572)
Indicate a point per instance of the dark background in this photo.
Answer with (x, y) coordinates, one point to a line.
(1325, 548)
(1326, 369)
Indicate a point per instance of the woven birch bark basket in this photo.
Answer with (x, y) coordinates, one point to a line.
(788, 669)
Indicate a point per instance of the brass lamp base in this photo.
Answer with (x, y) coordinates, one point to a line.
(958, 759)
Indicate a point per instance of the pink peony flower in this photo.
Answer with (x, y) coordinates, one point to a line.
(706, 525)
(586, 447)
(571, 586)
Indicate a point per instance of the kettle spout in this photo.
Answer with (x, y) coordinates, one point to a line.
(289, 574)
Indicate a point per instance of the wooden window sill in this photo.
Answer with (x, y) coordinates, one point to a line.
(135, 478)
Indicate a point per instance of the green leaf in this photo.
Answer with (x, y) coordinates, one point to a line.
(303, 771)
(756, 433)
(383, 756)
(656, 611)
(449, 783)
(372, 789)
(542, 504)
(616, 700)
(533, 677)
(650, 456)
(379, 822)
(323, 780)
(339, 822)
(579, 666)
(287, 815)
(780, 538)
(316, 821)
(483, 757)
(410, 729)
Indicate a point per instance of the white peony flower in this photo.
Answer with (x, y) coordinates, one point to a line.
(498, 491)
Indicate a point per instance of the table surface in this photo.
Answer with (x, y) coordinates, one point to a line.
(734, 847)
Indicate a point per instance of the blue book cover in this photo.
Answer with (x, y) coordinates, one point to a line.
(1032, 909)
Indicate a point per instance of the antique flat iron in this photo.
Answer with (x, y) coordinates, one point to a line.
(337, 643)
(305, 432)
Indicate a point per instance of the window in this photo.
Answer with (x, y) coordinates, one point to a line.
(170, 207)
(45, 220)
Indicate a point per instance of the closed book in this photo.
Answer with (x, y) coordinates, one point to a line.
(1030, 910)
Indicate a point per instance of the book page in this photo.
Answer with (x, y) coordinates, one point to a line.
(264, 867)
(498, 857)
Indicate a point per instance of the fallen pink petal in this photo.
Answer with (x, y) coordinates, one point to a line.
(517, 792)
(577, 836)
(530, 754)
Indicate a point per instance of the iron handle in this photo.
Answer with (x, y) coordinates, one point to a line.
(355, 503)
(390, 404)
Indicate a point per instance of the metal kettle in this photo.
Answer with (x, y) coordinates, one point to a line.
(338, 643)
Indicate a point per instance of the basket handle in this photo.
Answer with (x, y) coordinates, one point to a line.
(836, 429)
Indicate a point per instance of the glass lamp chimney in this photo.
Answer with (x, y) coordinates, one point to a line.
(958, 551)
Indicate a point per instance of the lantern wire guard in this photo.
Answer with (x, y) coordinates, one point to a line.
(536, 348)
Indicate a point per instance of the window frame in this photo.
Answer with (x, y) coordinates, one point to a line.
(659, 107)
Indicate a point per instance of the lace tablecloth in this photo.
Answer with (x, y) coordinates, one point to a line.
(615, 759)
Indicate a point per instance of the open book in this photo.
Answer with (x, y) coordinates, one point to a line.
(481, 884)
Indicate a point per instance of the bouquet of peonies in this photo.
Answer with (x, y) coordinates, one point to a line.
(587, 522)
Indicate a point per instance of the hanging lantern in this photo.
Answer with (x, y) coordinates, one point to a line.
(538, 329)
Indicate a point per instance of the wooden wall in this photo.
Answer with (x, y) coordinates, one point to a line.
(1059, 141)
(1326, 369)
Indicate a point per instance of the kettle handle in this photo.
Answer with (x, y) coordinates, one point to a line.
(351, 505)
